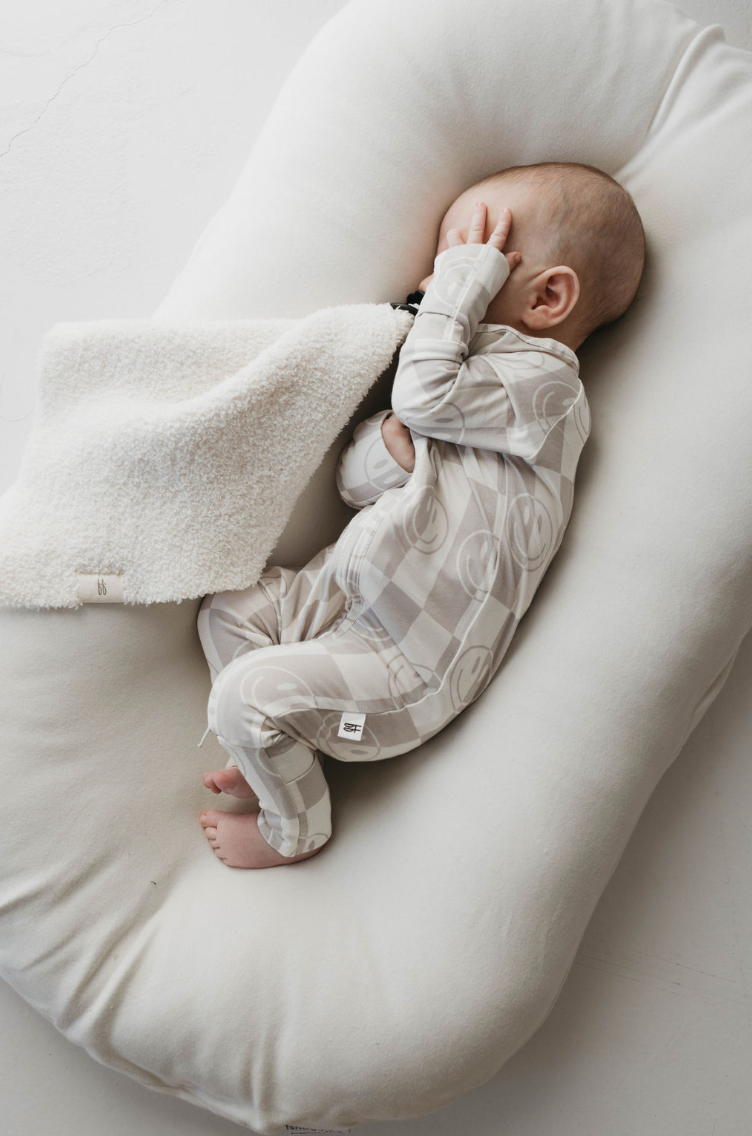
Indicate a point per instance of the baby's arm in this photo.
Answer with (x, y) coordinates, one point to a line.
(506, 401)
(365, 468)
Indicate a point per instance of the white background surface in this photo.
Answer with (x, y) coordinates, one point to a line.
(123, 127)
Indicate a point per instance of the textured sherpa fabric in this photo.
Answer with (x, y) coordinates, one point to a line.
(172, 454)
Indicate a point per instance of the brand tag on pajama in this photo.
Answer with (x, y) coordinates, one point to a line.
(351, 726)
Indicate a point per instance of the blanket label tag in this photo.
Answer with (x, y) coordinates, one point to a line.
(100, 588)
(297, 1128)
(351, 726)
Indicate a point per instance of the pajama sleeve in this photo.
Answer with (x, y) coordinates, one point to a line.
(508, 400)
(365, 468)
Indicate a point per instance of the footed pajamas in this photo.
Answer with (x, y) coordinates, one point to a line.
(388, 633)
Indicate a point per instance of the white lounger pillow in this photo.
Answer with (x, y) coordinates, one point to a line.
(404, 965)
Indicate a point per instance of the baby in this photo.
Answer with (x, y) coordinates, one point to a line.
(463, 489)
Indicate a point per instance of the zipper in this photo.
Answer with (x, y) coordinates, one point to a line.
(346, 546)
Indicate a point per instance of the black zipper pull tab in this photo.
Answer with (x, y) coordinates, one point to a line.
(412, 303)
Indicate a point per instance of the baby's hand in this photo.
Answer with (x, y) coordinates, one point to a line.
(398, 441)
(475, 236)
(477, 230)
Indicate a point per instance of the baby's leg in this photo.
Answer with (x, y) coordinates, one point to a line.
(285, 605)
(231, 623)
(272, 710)
(295, 813)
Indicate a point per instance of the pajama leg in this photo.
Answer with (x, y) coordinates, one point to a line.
(231, 623)
(284, 771)
(272, 710)
(286, 604)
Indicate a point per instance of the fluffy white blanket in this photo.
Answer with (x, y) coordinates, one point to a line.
(171, 455)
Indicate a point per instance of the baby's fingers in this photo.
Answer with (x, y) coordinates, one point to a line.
(501, 232)
(477, 224)
(475, 231)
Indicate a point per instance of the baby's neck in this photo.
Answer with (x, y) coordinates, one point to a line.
(570, 337)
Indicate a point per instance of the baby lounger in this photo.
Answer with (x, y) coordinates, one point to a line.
(405, 964)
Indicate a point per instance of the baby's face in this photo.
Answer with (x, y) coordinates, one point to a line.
(530, 214)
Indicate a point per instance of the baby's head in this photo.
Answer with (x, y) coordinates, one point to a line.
(582, 245)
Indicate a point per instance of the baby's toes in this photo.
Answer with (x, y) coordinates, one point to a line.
(209, 821)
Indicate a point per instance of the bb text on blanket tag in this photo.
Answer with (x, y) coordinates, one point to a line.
(100, 588)
(298, 1129)
(351, 726)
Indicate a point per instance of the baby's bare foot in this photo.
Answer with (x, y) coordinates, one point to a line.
(236, 840)
(230, 781)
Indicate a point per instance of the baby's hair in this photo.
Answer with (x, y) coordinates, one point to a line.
(597, 231)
